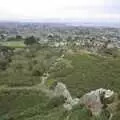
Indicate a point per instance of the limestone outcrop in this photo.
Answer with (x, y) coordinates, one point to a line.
(95, 100)
(61, 90)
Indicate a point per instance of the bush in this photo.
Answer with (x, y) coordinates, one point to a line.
(55, 102)
(37, 73)
(51, 83)
(116, 116)
(112, 52)
(38, 69)
(80, 114)
(30, 40)
(3, 64)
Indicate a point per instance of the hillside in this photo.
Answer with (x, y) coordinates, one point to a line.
(22, 97)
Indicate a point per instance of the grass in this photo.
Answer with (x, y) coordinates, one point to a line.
(29, 105)
(87, 72)
(13, 44)
(90, 72)
(20, 104)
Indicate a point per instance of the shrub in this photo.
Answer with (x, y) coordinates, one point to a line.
(30, 40)
(37, 72)
(51, 83)
(112, 52)
(55, 102)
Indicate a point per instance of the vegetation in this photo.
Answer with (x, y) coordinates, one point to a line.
(30, 40)
(13, 44)
(70, 55)
(80, 72)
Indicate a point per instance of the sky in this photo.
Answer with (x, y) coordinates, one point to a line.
(63, 10)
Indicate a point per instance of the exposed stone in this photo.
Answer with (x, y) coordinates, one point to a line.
(96, 100)
(61, 90)
(67, 106)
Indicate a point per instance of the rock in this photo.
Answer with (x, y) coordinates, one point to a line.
(95, 100)
(61, 90)
(67, 106)
(75, 101)
(44, 78)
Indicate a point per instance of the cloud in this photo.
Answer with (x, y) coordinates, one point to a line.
(60, 9)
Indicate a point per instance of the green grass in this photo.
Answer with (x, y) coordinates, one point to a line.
(90, 72)
(13, 44)
(86, 72)
(29, 105)
(21, 104)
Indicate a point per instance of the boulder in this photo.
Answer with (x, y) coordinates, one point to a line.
(61, 90)
(96, 100)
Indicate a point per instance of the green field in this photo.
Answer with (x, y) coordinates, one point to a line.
(13, 44)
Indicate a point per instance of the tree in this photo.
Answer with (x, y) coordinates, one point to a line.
(30, 40)
(69, 38)
(2, 36)
(19, 37)
(50, 37)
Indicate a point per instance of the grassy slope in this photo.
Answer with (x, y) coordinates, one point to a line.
(88, 72)
(13, 44)
(21, 104)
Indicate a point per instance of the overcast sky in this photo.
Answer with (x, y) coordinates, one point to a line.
(83, 10)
